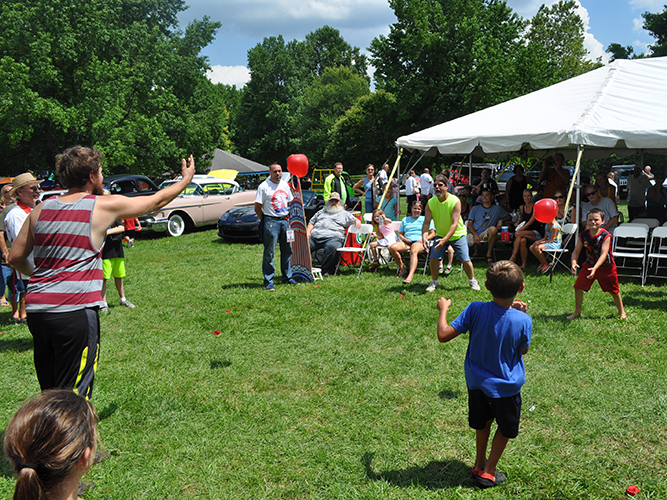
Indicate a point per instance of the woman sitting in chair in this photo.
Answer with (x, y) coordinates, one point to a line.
(386, 236)
(410, 239)
(530, 231)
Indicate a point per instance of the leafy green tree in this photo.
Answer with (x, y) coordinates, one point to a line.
(556, 37)
(656, 24)
(327, 49)
(446, 58)
(266, 125)
(618, 51)
(115, 74)
(325, 101)
(366, 133)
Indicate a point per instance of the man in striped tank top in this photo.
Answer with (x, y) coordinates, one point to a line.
(65, 235)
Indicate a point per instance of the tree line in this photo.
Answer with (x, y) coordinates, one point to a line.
(122, 76)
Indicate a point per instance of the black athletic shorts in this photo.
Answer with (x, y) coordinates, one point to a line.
(66, 348)
(506, 411)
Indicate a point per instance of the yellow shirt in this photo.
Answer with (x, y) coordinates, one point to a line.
(442, 217)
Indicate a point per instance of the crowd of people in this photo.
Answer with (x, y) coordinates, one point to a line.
(57, 247)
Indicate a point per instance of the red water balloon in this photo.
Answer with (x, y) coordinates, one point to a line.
(545, 210)
(297, 165)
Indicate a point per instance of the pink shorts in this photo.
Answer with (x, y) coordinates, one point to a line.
(606, 276)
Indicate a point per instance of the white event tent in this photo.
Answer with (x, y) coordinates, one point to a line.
(619, 108)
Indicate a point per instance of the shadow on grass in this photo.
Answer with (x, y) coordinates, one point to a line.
(106, 412)
(5, 466)
(435, 475)
(18, 345)
(447, 394)
(215, 364)
(647, 299)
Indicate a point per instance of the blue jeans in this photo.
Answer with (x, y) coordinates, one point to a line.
(275, 230)
(6, 273)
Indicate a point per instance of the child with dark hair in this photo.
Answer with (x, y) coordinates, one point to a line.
(50, 443)
(599, 264)
(500, 333)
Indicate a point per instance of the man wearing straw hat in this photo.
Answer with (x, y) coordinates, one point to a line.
(64, 292)
(26, 190)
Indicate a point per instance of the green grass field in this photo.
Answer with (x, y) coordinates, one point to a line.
(341, 390)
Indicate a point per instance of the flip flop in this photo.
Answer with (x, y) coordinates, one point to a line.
(486, 480)
(407, 282)
(4, 303)
(489, 260)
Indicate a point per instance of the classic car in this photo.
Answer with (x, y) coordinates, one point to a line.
(241, 223)
(129, 185)
(201, 203)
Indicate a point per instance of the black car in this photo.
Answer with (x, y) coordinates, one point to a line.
(241, 223)
(129, 185)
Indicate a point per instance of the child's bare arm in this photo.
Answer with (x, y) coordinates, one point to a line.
(575, 256)
(445, 330)
(524, 351)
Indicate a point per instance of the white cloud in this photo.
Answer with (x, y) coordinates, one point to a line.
(652, 5)
(229, 75)
(638, 25)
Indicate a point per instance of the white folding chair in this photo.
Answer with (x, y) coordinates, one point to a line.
(364, 232)
(629, 243)
(657, 252)
(368, 218)
(650, 222)
(557, 253)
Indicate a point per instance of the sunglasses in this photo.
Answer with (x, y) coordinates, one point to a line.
(438, 184)
(590, 193)
(558, 197)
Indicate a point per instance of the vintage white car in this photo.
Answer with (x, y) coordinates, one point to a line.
(200, 204)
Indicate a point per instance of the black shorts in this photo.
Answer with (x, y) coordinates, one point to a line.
(66, 347)
(506, 411)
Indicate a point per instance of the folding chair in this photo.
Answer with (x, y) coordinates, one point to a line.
(569, 230)
(630, 242)
(657, 251)
(651, 223)
(364, 230)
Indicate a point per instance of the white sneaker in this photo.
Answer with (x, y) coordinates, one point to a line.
(433, 285)
(473, 284)
(127, 303)
(104, 309)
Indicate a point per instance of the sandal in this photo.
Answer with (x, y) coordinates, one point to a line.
(490, 260)
(407, 282)
(486, 480)
(402, 273)
(4, 303)
(374, 266)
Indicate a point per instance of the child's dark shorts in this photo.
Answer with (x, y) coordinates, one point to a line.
(506, 411)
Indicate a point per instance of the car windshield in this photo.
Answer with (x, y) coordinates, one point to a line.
(209, 188)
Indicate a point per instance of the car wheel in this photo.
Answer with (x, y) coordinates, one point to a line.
(176, 225)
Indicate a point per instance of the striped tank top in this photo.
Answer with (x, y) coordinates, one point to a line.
(68, 268)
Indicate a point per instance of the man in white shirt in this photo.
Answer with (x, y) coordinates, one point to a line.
(384, 173)
(638, 183)
(426, 185)
(272, 209)
(411, 187)
(26, 190)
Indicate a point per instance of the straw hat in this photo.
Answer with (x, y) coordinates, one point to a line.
(23, 180)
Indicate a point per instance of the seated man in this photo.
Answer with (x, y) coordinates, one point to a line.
(326, 231)
(592, 194)
(484, 223)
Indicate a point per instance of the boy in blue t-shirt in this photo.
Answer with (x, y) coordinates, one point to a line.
(500, 333)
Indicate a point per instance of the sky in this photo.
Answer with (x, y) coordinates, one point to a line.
(245, 23)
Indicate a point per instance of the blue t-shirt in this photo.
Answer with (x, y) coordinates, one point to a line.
(412, 228)
(484, 218)
(493, 361)
(388, 207)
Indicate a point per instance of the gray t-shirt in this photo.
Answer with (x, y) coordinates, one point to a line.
(637, 190)
(606, 205)
(326, 225)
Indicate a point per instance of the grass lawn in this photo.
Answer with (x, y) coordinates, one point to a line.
(340, 389)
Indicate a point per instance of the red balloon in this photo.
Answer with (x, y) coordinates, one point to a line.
(297, 165)
(545, 210)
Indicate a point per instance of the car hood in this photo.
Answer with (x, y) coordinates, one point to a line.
(245, 214)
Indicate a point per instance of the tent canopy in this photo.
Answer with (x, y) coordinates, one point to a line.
(224, 160)
(619, 108)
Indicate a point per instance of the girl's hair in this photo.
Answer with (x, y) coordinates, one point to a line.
(45, 439)
(376, 212)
